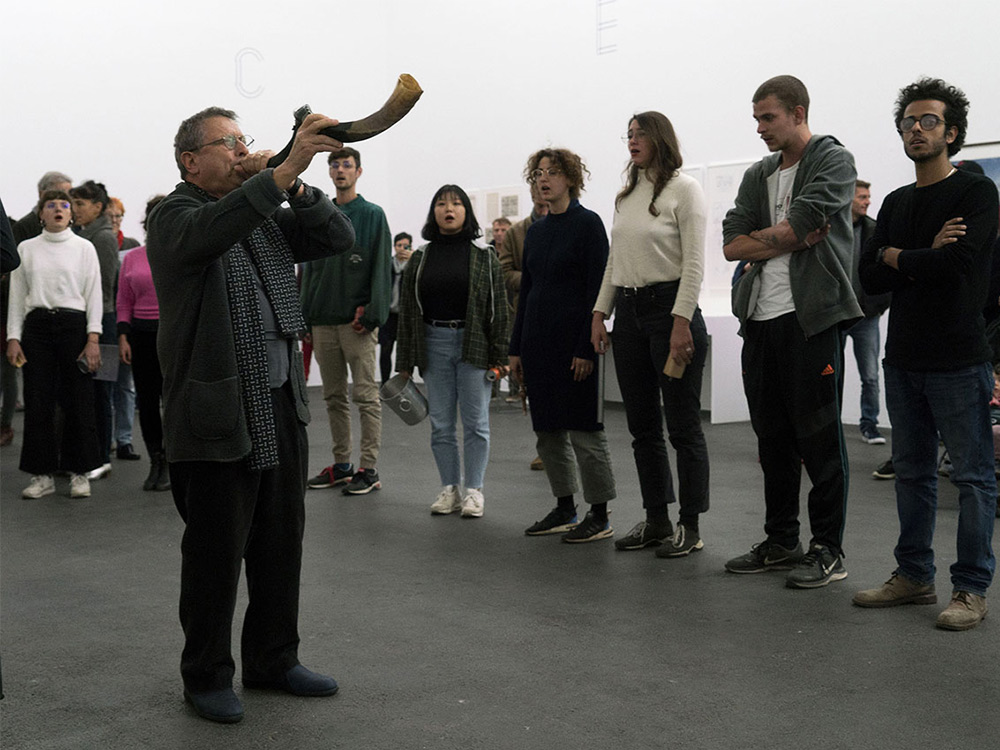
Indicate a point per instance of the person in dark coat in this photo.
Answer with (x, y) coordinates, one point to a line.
(550, 350)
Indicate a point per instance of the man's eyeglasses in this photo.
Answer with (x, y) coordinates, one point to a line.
(637, 134)
(58, 205)
(927, 122)
(229, 141)
(338, 164)
(551, 172)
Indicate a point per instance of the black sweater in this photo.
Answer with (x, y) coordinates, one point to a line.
(936, 317)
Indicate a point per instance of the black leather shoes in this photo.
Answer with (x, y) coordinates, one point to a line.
(298, 681)
(216, 705)
(126, 453)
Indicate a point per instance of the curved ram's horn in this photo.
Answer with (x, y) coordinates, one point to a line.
(403, 97)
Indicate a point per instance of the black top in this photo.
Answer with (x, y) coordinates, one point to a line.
(936, 317)
(561, 272)
(444, 280)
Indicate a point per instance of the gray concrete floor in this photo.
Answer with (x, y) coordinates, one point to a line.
(450, 633)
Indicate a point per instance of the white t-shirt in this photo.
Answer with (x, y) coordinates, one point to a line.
(775, 298)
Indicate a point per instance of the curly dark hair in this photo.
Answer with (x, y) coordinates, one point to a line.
(666, 156)
(571, 165)
(956, 106)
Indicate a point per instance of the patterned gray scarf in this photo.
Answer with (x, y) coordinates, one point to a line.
(266, 249)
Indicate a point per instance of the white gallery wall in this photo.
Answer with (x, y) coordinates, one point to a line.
(97, 90)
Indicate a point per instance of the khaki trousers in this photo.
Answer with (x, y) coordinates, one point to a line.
(336, 349)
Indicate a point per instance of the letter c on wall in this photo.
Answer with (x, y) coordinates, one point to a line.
(242, 78)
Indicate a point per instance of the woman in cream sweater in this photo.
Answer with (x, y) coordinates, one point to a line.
(651, 282)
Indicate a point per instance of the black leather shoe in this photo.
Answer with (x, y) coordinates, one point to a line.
(298, 681)
(125, 453)
(216, 705)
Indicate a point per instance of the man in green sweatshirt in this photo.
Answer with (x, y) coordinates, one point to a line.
(345, 299)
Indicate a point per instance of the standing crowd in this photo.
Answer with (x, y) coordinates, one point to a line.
(209, 314)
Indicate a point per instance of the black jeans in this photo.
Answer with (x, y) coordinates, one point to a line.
(641, 340)
(791, 385)
(52, 341)
(148, 382)
(386, 342)
(104, 394)
(234, 515)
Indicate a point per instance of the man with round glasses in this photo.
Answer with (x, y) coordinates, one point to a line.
(932, 249)
(222, 253)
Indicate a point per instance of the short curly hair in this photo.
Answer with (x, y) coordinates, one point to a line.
(956, 106)
(571, 165)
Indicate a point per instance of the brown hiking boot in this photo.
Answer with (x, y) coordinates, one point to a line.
(965, 611)
(897, 590)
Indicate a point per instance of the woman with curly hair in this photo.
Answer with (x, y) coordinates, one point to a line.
(550, 350)
(652, 282)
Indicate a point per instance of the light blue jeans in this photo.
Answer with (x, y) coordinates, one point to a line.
(956, 403)
(452, 386)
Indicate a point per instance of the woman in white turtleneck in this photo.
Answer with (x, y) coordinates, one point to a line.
(53, 323)
(651, 281)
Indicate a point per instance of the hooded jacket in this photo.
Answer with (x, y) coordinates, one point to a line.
(822, 193)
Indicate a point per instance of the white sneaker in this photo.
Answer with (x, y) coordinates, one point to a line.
(100, 472)
(448, 501)
(79, 486)
(472, 504)
(39, 486)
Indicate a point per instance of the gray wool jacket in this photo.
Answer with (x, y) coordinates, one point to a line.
(821, 194)
(188, 241)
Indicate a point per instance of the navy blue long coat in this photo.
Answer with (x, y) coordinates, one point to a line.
(562, 268)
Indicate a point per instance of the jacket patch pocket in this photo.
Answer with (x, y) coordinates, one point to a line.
(214, 409)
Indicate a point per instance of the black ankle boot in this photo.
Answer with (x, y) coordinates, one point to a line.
(163, 476)
(155, 458)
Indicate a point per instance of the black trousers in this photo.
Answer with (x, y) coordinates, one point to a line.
(233, 516)
(792, 389)
(52, 341)
(104, 395)
(641, 340)
(386, 341)
(148, 383)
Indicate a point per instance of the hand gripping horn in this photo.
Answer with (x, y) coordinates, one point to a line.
(403, 97)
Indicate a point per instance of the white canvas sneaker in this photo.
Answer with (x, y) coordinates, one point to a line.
(448, 501)
(39, 486)
(79, 486)
(472, 504)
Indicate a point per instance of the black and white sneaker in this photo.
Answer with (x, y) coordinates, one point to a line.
(558, 521)
(682, 543)
(885, 471)
(644, 534)
(589, 530)
(363, 482)
(766, 556)
(818, 567)
(871, 435)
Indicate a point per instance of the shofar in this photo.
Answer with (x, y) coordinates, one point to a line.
(403, 97)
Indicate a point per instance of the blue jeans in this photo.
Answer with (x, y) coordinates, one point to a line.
(124, 394)
(455, 385)
(866, 350)
(956, 403)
